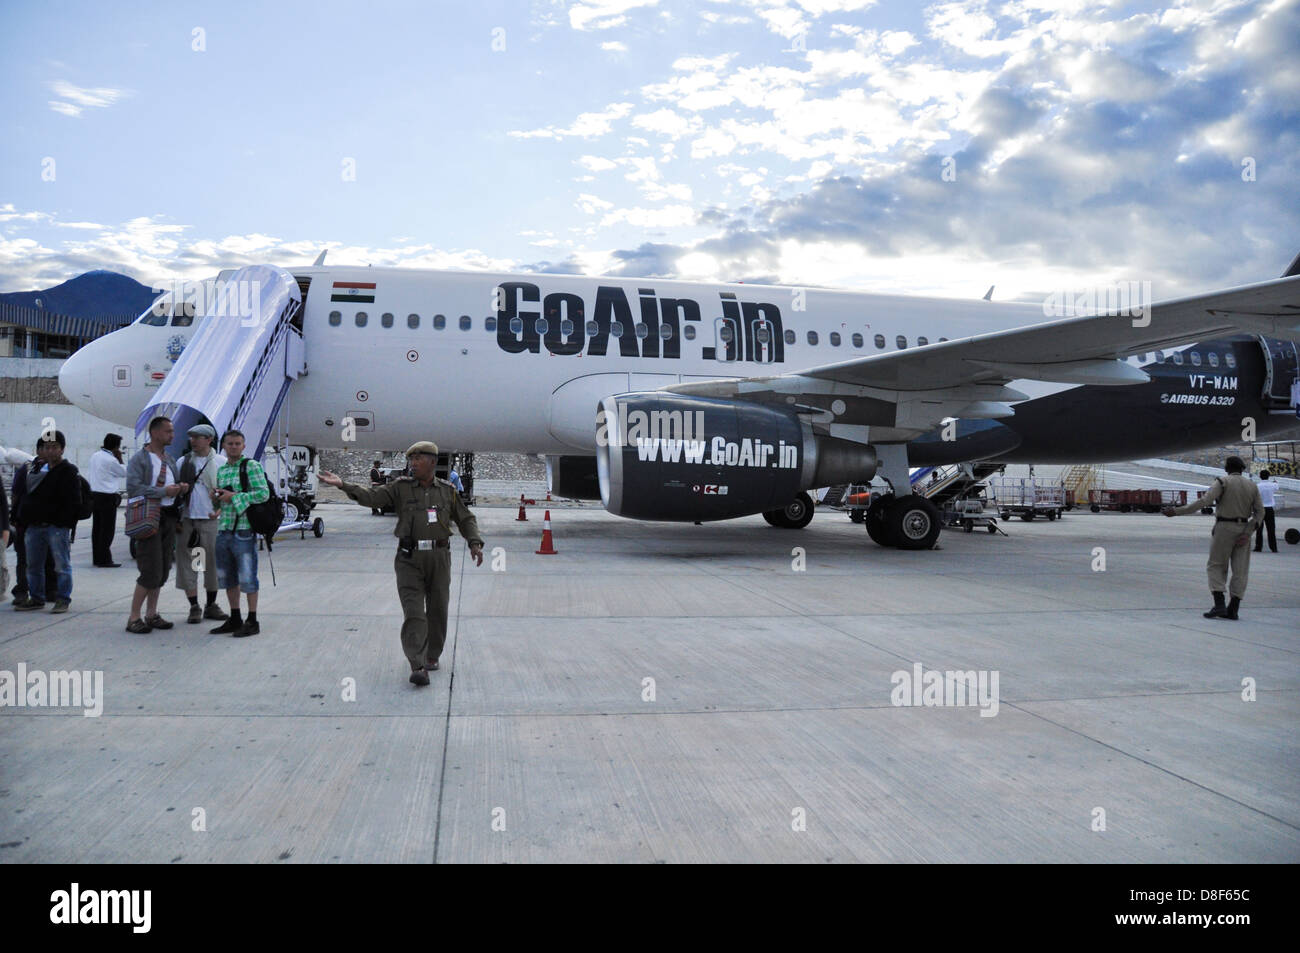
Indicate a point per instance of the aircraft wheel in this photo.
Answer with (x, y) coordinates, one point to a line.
(797, 514)
(775, 518)
(318, 527)
(914, 522)
(878, 527)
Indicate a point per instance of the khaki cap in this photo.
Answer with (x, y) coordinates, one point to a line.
(424, 446)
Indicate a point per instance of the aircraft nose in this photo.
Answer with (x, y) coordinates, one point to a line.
(74, 381)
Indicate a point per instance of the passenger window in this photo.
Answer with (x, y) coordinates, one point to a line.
(1231, 360)
(1214, 358)
(1196, 359)
(901, 342)
(790, 336)
(592, 329)
(812, 337)
(922, 341)
(665, 331)
(386, 319)
(642, 331)
(412, 320)
(763, 335)
(725, 333)
(516, 325)
(1178, 357)
(941, 340)
(880, 341)
(466, 322)
(489, 323)
(835, 339)
(439, 322)
(542, 325)
(336, 318)
(688, 332)
(362, 318)
(566, 328)
(616, 331)
(1160, 357)
(857, 340)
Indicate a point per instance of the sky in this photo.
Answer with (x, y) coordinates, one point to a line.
(928, 148)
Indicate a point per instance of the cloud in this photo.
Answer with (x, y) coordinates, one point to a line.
(73, 99)
(614, 46)
(589, 125)
(603, 14)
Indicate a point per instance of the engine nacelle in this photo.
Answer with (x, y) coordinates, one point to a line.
(573, 478)
(666, 456)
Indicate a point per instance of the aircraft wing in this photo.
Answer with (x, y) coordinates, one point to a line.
(966, 377)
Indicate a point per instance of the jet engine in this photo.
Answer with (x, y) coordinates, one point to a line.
(663, 456)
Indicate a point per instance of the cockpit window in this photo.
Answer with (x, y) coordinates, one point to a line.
(155, 319)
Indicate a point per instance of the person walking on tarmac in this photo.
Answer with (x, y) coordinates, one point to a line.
(426, 507)
(1238, 512)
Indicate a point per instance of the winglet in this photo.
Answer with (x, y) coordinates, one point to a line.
(988, 295)
(320, 259)
(1293, 268)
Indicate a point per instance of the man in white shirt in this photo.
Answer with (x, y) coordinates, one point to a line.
(1268, 496)
(107, 468)
(196, 539)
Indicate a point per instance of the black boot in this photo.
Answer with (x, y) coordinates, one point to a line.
(1218, 612)
(1232, 608)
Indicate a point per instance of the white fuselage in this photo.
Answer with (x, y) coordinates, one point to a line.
(474, 389)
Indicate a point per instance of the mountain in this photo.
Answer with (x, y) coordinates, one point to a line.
(92, 295)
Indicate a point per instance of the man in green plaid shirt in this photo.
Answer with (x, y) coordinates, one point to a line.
(236, 548)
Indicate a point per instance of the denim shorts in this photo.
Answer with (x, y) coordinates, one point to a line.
(236, 553)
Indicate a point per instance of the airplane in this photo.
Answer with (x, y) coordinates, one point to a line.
(690, 401)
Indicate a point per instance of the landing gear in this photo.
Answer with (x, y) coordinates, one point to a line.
(796, 514)
(912, 522)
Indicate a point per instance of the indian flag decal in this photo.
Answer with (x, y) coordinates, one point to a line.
(360, 292)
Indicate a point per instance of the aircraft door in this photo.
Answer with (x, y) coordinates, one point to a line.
(760, 343)
(1281, 368)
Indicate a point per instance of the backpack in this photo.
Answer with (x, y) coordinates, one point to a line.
(263, 518)
(86, 507)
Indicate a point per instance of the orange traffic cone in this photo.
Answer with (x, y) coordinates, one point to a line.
(548, 546)
(522, 517)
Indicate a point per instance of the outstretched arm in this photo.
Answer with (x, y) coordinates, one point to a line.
(374, 497)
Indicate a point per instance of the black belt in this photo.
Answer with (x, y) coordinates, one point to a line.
(1229, 519)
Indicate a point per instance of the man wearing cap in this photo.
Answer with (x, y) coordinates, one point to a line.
(196, 539)
(1238, 512)
(426, 507)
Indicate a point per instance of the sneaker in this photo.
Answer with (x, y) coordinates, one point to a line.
(248, 628)
(214, 611)
(60, 605)
(419, 677)
(139, 627)
(196, 615)
(28, 604)
(227, 627)
(158, 622)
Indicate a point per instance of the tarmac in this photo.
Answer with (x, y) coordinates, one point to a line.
(678, 693)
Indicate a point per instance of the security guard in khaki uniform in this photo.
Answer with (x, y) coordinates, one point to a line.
(426, 507)
(1238, 512)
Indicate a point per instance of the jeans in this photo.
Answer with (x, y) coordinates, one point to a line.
(237, 559)
(54, 540)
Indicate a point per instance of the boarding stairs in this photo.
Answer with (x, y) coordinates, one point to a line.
(236, 371)
(958, 481)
